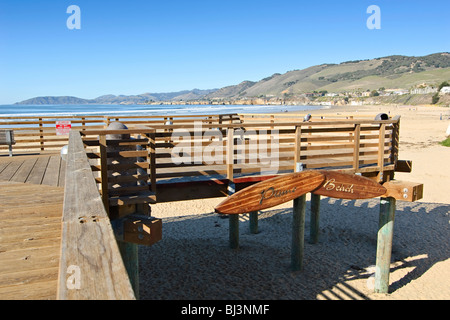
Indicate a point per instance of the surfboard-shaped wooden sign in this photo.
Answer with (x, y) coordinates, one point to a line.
(271, 192)
(348, 186)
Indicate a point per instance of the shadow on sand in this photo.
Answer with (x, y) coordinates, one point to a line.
(193, 261)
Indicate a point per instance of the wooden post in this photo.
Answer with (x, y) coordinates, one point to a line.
(234, 218)
(381, 151)
(315, 214)
(395, 140)
(298, 229)
(356, 137)
(230, 153)
(233, 221)
(234, 231)
(106, 122)
(129, 251)
(41, 134)
(297, 145)
(152, 158)
(253, 222)
(298, 233)
(384, 244)
(130, 257)
(104, 171)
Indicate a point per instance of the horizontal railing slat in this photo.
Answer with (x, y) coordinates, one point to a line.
(91, 266)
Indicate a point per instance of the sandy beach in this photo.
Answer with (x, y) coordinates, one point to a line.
(193, 260)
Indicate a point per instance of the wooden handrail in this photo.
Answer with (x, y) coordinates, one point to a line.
(353, 145)
(91, 266)
(39, 132)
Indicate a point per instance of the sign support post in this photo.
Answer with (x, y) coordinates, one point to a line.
(298, 228)
(384, 244)
(315, 214)
(253, 222)
(298, 233)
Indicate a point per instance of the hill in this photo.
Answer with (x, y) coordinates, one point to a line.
(399, 72)
(194, 94)
(388, 72)
(55, 100)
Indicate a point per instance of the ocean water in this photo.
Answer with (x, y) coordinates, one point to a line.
(75, 110)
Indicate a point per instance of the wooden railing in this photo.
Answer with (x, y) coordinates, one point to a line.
(155, 156)
(124, 168)
(227, 151)
(39, 133)
(91, 266)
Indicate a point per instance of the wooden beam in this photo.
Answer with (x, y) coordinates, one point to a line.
(381, 151)
(298, 233)
(230, 153)
(91, 267)
(403, 190)
(403, 166)
(357, 136)
(104, 171)
(314, 221)
(253, 222)
(130, 256)
(297, 146)
(138, 228)
(234, 231)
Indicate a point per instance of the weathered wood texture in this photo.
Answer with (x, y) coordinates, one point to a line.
(88, 247)
(403, 190)
(45, 169)
(39, 133)
(30, 239)
(123, 167)
(346, 186)
(188, 152)
(357, 145)
(271, 192)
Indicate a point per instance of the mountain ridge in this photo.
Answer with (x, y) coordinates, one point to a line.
(395, 71)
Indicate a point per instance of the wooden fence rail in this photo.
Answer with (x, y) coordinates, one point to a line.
(193, 151)
(91, 266)
(39, 133)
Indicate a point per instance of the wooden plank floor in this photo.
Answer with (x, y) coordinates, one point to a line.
(30, 227)
(47, 169)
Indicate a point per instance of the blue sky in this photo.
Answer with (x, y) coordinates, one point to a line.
(132, 47)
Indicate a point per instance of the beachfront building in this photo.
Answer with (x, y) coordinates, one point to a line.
(423, 90)
(445, 90)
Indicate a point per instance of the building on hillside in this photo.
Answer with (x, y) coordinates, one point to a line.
(396, 92)
(445, 90)
(423, 90)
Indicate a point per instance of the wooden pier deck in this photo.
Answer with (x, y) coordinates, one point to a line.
(44, 169)
(31, 197)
